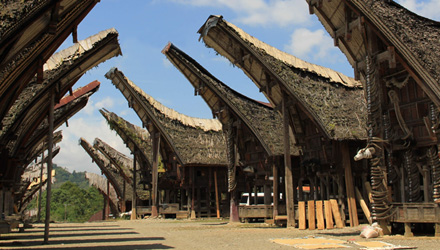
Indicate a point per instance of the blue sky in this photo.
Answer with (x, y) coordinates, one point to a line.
(145, 27)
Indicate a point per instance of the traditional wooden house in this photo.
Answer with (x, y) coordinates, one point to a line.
(108, 192)
(61, 72)
(324, 109)
(253, 132)
(191, 150)
(115, 175)
(394, 53)
(23, 128)
(33, 178)
(31, 31)
(11, 174)
(124, 164)
(138, 141)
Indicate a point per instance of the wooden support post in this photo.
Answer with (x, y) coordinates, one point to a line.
(49, 166)
(107, 214)
(217, 203)
(155, 177)
(267, 195)
(288, 167)
(319, 215)
(232, 182)
(40, 189)
(336, 214)
(301, 215)
(124, 199)
(276, 192)
(193, 192)
(208, 193)
(328, 215)
(363, 205)
(311, 214)
(199, 203)
(104, 205)
(349, 187)
(255, 195)
(134, 197)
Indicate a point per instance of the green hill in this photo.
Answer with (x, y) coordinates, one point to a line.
(63, 175)
(73, 200)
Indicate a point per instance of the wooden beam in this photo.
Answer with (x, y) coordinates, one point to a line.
(217, 204)
(311, 214)
(133, 197)
(336, 214)
(290, 199)
(319, 215)
(301, 215)
(49, 165)
(349, 187)
(363, 205)
(155, 177)
(276, 192)
(328, 215)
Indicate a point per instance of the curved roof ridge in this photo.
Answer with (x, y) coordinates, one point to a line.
(205, 124)
(76, 49)
(287, 58)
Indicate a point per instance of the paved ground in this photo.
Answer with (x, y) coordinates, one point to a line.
(172, 234)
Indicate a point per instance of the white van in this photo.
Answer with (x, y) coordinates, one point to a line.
(245, 201)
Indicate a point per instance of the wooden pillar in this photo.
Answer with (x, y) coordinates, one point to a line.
(267, 194)
(41, 186)
(156, 147)
(232, 182)
(276, 192)
(208, 193)
(217, 203)
(288, 168)
(199, 202)
(107, 214)
(49, 166)
(134, 196)
(349, 186)
(124, 199)
(104, 205)
(255, 194)
(193, 194)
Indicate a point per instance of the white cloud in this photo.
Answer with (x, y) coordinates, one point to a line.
(107, 102)
(308, 44)
(426, 8)
(73, 156)
(260, 12)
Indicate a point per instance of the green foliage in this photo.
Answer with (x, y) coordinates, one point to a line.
(73, 200)
(62, 175)
(71, 203)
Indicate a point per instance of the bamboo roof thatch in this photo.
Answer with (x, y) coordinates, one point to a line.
(124, 164)
(409, 38)
(31, 31)
(62, 71)
(38, 149)
(260, 118)
(194, 141)
(333, 101)
(118, 159)
(110, 171)
(113, 173)
(99, 182)
(28, 139)
(135, 138)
